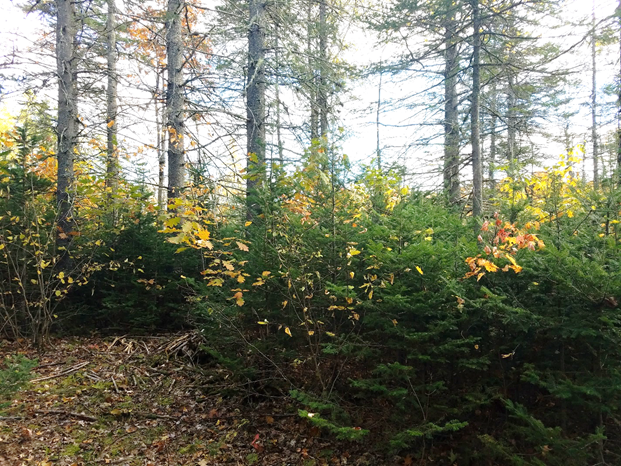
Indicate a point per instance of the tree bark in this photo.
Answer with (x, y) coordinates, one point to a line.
(378, 150)
(175, 99)
(112, 159)
(511, 123)
(619, 101)
(313, 80)
(451, 117)
(281, 158)
(492, 144)
(67, 129)
(594, 105)
(475, 139)
(160, 143)
(322, 98)
(255, 105)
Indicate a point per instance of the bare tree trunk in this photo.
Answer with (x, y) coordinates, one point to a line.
(277, 95)
(313, 82)
(67, 129)
(255, 105)
(322, 100)
(175, 99)
(619, 101)
(377, 120)
(160, 141)
(511, 122)
(451, 122)
(492, 148)
(477, 168)
(594, 105)
(112, 159)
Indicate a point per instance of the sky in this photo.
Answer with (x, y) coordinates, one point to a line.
(398, 128)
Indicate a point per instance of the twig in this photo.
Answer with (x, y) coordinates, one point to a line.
(11, 418)
(67, 372)
(84, 417)
(114, 382)
(109, 461)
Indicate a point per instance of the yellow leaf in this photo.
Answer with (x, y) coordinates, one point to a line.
(171, 222)
(61, 275)
(311, 332)
(288, 332)
(353, 252)
(203, 234)
(248, 223)
(265, 273)
(330, 334)
(57, 293)
(351, 274)
(262, 322)
(371, 294)
(394, 322)
(242, 246)
(419, 270)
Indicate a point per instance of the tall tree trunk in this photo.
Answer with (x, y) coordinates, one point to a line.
(112, 159)
(475, 139)
(255, 105)
(378, 151)
(594, 105)
(511, 122)
(451, 117)
(67, 129)
(619, 101)
(493, 137)
(160, 143)
(277, 95)
(175, 99)
(313, 79)
(322, 100)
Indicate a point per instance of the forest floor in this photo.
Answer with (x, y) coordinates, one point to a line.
(141, 401)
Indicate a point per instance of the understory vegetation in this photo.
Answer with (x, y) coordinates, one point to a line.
(382, 313)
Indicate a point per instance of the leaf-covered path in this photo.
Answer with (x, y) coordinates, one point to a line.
(143, 401)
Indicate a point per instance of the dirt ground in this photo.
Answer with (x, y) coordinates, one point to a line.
(137, 401)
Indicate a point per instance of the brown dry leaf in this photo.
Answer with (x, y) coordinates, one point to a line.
(269, 419)
(26, 433)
